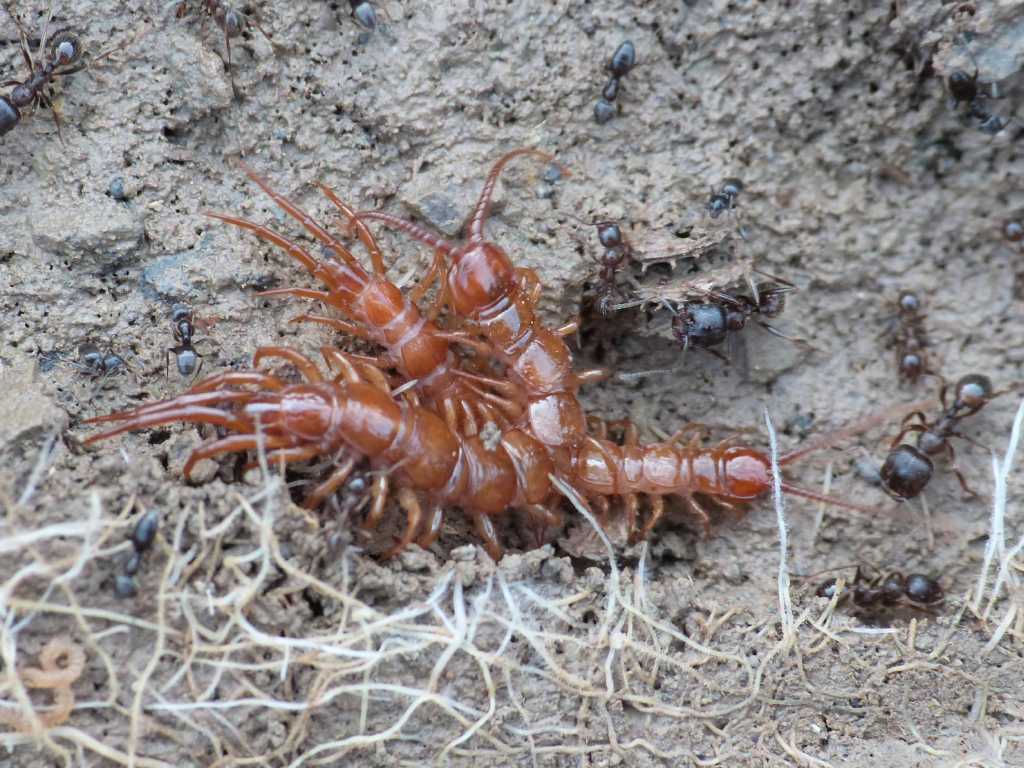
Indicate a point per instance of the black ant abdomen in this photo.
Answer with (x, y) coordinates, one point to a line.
(703, 325)
(923, 590)
(364, 13)
(623, 60)
(905, 472)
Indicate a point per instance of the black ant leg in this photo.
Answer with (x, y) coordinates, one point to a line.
(956, 470)
(905, 430)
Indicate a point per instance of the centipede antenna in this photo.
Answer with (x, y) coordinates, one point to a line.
(415, 231)
(483, 204)
(863, 425)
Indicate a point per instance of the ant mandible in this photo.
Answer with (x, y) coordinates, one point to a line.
(190, 362)
(907, 469)
(64, 52)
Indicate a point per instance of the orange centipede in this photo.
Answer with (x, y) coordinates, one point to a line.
(429, 461)
(497, 301)
(379, 312)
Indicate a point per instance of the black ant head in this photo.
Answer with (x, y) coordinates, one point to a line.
(826, 589)
(906, 472)
(180, 312)
(973, 391)
(921, 589)
(911, 365)
(719, 204)
(909, 302)
(736, 317)
(64, 48)
(963, 87)
(772, 300)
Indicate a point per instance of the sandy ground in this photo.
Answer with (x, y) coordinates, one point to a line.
(261, 635)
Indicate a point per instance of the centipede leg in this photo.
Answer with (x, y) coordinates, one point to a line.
(657, 511)
(229, 444)
(306, 366)
(286, 456)
(335, 357)
(592, 375)
(695, 427)
(573, 326)
(418, 291)
(331, 484)
(433, 529)
(530, 284)
(304, 219)
(300, 293)
(239, 378)
(414, 517)
(339, 325)
(485, 530)
(355, 223)
(379, 492)
(702, 515)
(540, 519)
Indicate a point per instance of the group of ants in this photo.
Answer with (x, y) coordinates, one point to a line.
(473, 403)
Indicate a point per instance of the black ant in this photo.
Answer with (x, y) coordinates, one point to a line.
(907, 469)
(96, 364)
(620, 64)
(142, 539)
(965, 88)
(189, 361)
(910, 337)
(231, 21)
(1014, 232)
(64, 52)
(617, 253)
(725, 198)
(707, 324)
(917, 590)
